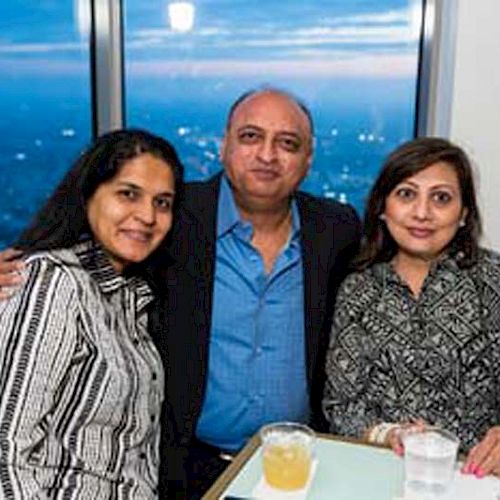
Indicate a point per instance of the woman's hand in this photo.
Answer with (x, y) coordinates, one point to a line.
(10, 272)
(391, 434)
(484, 458)
(394, 440)
(394, 437)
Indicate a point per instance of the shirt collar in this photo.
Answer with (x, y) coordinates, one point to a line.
(295, 221)
(228, 215)
(94, 260)
(385, 270)
(227, 212)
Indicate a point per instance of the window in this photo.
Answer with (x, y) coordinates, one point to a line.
(355, 64)
(45, 102)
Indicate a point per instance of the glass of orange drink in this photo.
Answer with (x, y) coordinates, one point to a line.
(287, 450)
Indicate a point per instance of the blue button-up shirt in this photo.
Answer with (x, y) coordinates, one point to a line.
(257, 367)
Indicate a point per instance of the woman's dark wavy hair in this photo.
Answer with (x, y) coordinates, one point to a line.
(62, 221)
(406, 161)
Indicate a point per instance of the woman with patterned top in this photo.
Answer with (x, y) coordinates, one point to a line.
(416, 332)
(81, 383)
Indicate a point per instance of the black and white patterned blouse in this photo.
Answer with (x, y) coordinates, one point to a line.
(81, 383)
(395, 358)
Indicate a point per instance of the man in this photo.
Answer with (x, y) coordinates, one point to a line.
(247, 296)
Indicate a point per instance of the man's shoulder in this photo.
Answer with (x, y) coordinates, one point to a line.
(208, 187)
(197, 204)
(193, 231)
(327, 209)
(325, 205)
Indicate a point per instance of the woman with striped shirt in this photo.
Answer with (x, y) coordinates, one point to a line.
(81, 383)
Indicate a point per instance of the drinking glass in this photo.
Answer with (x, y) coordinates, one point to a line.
(429, 459)
(287, 450)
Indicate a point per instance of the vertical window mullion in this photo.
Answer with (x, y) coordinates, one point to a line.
(107, 65)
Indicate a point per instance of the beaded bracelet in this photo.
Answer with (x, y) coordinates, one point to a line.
(378, 434)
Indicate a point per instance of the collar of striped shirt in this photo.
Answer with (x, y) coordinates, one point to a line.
(92, 257)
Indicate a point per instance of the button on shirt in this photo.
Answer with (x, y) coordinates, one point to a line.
(82, 383)
(257, 368)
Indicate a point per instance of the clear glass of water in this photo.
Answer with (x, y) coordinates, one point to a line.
(429, 457)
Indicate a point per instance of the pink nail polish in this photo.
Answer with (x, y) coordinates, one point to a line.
(479, 473)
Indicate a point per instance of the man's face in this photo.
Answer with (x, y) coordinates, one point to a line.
(266, 151)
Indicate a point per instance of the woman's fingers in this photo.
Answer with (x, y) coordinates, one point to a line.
(484, 458)
(394, 440)
(395, 436)
(11, 268)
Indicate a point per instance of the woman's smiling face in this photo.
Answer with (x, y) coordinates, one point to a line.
(423, 212)
(131, 213)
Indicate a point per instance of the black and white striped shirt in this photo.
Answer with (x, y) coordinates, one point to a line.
(81, 383)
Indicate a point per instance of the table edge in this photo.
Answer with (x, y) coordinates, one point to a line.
(224, 480)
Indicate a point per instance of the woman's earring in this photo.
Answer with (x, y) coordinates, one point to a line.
(382, 217)
(461, 223)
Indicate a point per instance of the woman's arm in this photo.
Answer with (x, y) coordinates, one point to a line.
(37, 339)
(344, 401)
(484, 457)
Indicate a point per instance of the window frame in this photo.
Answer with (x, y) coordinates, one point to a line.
(434, 79)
